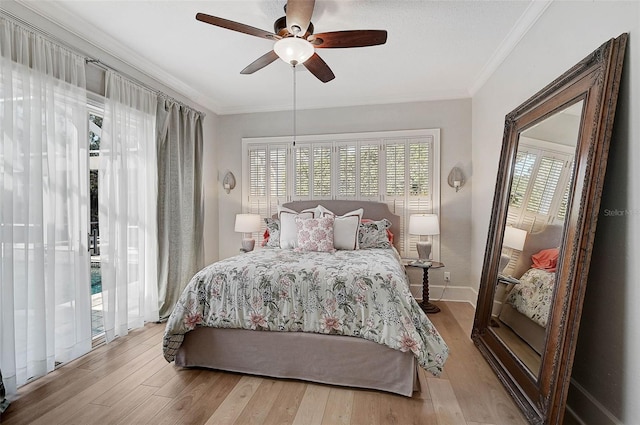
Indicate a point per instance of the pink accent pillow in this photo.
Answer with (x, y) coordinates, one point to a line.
(547, 259)
(315, 234)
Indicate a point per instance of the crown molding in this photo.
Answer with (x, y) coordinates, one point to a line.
(103, 42)
(532, 13)
(441, 95)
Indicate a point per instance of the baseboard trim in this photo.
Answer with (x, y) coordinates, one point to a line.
(453, 293)
(583, 405)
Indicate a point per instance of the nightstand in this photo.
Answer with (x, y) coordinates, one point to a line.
(425, 266)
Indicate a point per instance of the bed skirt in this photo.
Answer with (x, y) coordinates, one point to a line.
(327, 359)
(531, 332)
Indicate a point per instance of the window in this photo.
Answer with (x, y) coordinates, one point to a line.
(400, 168)
(540, 186)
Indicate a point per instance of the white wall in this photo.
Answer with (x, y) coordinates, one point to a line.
(606, 365)
(452, 117)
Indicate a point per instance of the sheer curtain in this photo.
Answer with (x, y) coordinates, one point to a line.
(45, 301)
(127, 194)
(180, 200)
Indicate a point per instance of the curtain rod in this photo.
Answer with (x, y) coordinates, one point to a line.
(88, 59)
(104, 66)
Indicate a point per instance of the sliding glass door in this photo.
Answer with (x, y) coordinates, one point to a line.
(95, 134)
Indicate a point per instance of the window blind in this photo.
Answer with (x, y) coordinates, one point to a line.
(399, 168)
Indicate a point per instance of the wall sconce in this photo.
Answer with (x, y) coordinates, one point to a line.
(229, 182)
(456, 178)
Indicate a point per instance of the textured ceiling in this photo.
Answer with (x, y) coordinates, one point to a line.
(435, 49)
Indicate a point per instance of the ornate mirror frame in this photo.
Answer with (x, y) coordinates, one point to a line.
(595, 81)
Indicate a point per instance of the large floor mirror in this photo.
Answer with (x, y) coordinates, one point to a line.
(541, 233)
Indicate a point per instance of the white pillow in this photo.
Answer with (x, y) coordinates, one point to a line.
(345, 228)
(288, 229)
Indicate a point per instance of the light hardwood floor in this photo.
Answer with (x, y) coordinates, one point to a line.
(129, 382)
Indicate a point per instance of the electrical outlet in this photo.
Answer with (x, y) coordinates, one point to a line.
(447, 276)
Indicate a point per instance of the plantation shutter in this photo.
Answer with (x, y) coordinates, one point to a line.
(258, 200)
(399, 171)
(347, 171)
(302, 173)
(369, 173)
(321, 172)
(278, 178)
(537, 197)
(268, 181)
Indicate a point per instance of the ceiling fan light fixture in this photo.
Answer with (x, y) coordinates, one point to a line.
(293, 50)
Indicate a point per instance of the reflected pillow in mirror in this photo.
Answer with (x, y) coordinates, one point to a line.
(547, 260)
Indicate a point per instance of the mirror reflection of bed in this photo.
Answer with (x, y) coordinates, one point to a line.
(521, 309)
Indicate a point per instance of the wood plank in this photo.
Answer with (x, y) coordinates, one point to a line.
(445, 403)
(102, 414)
(408, 410)
(312, 405)
(260, 404)
(176, 385)
(464, 314)
(89, 413)
(131, 383)
(28, 409)
(162, 376)
(287, 402)
(339, 407)
(236, 401)
(146, 410)
(366, 408)
(187, 399)
(215, 392)
(64, 411)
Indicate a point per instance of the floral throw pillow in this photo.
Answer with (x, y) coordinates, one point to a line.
(315, 234)
(373, 234)
(273, 227)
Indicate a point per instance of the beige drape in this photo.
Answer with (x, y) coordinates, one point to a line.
(180, 200)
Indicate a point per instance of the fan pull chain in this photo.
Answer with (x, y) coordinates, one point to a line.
(294, 102)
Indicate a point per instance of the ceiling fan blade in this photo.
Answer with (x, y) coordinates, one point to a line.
(236, 26)
(260, 63)
(299, 15)
(353, 38)
(319, 68)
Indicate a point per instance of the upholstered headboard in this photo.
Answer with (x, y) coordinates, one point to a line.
(372, 210)
(549, 237)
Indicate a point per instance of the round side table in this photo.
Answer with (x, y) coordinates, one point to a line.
(427, 306)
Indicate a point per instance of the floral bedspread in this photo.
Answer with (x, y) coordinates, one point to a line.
(533, 295)
(362, 293)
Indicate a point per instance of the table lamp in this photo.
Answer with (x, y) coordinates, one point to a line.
(424, 225)
(514, 238)
(247, 224)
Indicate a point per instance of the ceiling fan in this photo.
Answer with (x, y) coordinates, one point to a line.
(295, 40)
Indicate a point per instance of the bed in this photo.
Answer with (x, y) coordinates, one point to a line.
(526, 306)
(343, 317)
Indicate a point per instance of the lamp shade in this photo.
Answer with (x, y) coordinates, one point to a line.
(247, 223)
(293, 50)
(424, 224)
(514, 238)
